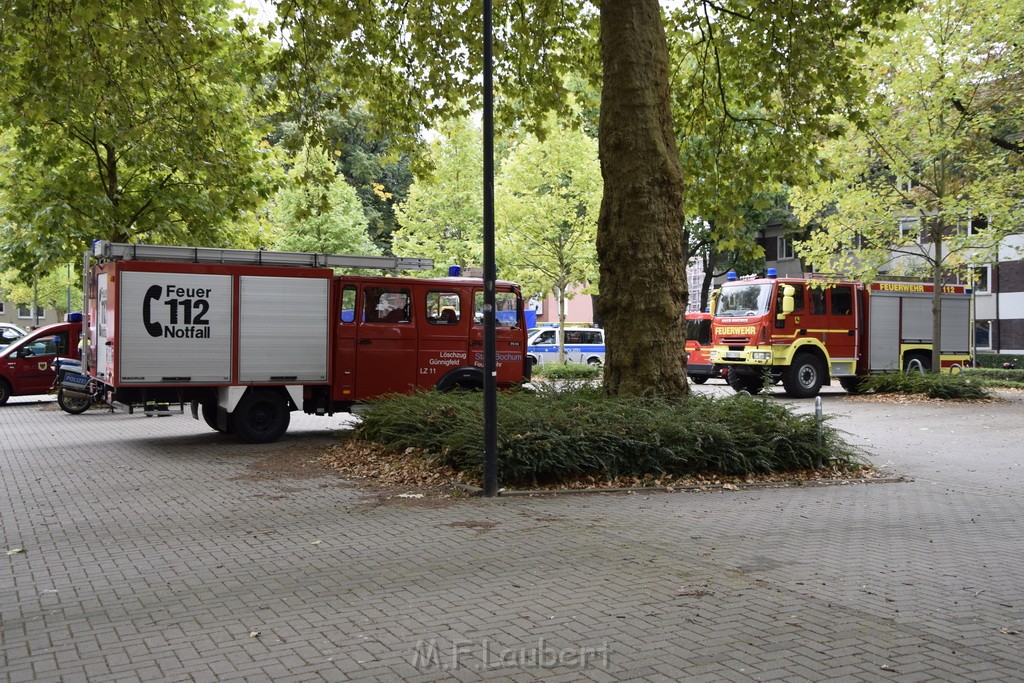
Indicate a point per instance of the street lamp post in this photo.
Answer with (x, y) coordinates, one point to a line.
(490, 354)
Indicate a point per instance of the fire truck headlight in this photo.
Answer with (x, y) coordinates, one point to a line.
(761, 355)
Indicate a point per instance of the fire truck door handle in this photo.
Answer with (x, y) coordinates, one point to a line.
(476, 343)
(801, 332)
(365, 341)
(849, 333)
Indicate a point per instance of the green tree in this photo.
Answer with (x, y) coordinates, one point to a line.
(921, 187)
(548, 195)
(443, 217)
(50, 290)
(127, 121)
(318, 211)
(368, 158)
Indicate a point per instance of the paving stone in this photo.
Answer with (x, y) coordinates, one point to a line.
(153, 552)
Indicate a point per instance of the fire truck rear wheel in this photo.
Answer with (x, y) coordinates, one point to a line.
(74, 405)
(261, 417)
(804, 377)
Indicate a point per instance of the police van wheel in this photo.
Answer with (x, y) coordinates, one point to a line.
(593, 361)
(804, 377)
(75, 405)
(698, 379)
(261, 417)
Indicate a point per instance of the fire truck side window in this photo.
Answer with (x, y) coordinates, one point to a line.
(798, 298)
(817, 301)
(443, 308)
(348, 304)
(386, 305)
(506, 309)
(842, 300)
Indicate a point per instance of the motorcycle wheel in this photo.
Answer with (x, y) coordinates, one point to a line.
(73, 405)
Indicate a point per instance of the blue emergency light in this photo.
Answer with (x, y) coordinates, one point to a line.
(731, 275)
(773, 273)
(454, 271)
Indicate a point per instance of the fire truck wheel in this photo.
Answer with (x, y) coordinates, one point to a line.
(75, 405)
(850, 384)
(209, 410)
(5, 391)
(261, 417)
(739, 382)
(804, 377)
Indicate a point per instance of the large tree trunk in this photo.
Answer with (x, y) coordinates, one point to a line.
(639, 231)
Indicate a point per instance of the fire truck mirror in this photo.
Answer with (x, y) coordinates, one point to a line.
(787, 301)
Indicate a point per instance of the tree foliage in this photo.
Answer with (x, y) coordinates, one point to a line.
(367, 156)
(47, 290)
(906, 190)
(443, 217)
(318, 211)
(548, 195)
(126, 121)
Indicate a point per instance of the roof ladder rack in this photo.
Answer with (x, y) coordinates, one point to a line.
(114, 251)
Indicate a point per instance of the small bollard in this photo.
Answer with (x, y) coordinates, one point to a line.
(818, 423)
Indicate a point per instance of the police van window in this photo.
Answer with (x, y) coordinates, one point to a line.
(573, 337)
(545, 337)
(443, 308)
(842, 300)
(506, 309)
(386, 305)
(591, 337)
(348, 304)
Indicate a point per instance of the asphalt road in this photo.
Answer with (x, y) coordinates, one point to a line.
(155, 549)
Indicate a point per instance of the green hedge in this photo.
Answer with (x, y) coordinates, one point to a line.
(996, 360)
(551, 437)
(933, 385)
(580, 371)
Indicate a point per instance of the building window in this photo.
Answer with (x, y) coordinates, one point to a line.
(2, 311)
(977, 224)
(25, 312)
(983, 334)
(980, 279)
(910, 227)
(785, 248)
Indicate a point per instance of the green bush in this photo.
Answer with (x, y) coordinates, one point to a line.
(996, 360)
(550, 437)
(572, 371)
(932, 385)
(996, 377)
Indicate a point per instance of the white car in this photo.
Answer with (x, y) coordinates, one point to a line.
(10, 333)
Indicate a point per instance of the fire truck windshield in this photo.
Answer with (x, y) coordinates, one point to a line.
(743, 299)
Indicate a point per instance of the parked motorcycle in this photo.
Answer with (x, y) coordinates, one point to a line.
(73, 387)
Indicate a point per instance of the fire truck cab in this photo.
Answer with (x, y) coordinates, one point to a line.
(246, 337)
(802, 331)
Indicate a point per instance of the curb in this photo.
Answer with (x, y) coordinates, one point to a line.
(694, 488)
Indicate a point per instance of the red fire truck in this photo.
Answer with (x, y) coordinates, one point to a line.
(699, 367)
(803, 331)
(245, 337)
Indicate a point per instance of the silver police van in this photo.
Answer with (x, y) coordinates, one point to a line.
(582, 345)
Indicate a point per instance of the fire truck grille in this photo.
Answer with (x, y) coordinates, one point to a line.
(736, 341)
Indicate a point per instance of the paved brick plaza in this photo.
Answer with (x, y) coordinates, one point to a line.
(154, 551)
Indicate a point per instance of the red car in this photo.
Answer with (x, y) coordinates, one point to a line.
(26, 366)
